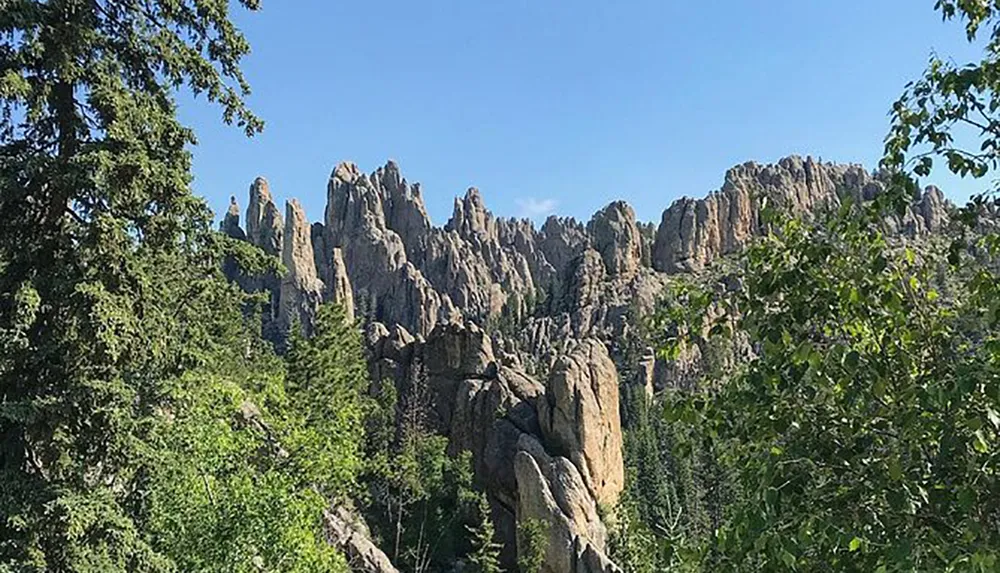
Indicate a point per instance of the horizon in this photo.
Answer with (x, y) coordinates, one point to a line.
(242, 201)
(562, 111)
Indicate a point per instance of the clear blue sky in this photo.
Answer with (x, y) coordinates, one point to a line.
(564, 105)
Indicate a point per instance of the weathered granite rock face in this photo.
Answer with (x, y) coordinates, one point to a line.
(616, 237)
(564, 282)
(562, 240)
(550, 489)
(580, 418)
(492, 410)
(264, 224)
(301, 291)
(692, 232)
(340, 284)
(230, 224)
(348, 532)
(488, 307)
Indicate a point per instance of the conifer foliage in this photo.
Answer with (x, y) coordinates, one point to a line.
(109, 273)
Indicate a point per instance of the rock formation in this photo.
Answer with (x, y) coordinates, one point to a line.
(579, 417)
(230, 224)
(616, 237)
(264, 225)
(693, 233)
(534, 456)
(340, 283)
(489, 308)
(348, 532)
(301, 291)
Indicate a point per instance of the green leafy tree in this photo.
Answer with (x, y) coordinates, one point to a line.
(863, 430)
(253, 449)
(223, 494)
(419, 498)
(952, 101)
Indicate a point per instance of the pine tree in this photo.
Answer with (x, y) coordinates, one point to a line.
(326, 378)
(532, 545)
(109, 272)
(485, 556)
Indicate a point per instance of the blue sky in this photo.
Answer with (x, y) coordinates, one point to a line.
(564, 106)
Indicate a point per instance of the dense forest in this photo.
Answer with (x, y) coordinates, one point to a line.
(818, 390)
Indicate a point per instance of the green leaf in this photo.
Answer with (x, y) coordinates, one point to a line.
(993, 417)
(855, 544)
(802, 352)
(895, 470)
(979, 443)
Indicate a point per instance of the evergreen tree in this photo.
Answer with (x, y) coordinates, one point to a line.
(485, 556)
(532, 545)
(109, 272)
(323, 411)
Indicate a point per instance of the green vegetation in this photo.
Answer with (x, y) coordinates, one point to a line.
(485, 556)
(532, 541)
(110, 291)
(419, 500)
(146, 426)
(862, 434)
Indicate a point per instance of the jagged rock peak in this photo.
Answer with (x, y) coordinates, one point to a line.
(340, 284)
(615, 235)
(580, 417)
(470, 217)
(693, 232)
(301, 291)
(297, 254)
(260, 195)
(264, 222)
(346, 172)
(405, 212)
(562, 240)
(933, 207)
(230, 224)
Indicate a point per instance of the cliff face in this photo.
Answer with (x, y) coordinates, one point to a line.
(491, 307)
(693, 233)
(403, 270)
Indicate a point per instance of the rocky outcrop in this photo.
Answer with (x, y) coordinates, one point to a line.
(579, 418)
(340, 284)
(264, 224)
(551, 490)
(484, 308)
(348, 532)
(495, 412)
(355, 222)
(230, 224)
(301, 291)
(564, 282)
(616, 237)
(693, 233)
(562, 240)
(932, 210)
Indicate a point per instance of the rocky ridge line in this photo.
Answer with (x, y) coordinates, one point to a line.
(495, 305)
